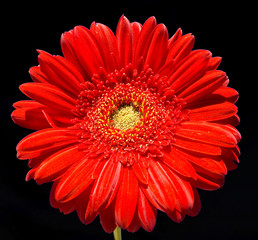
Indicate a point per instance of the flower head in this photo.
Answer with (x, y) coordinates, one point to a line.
(128, 124)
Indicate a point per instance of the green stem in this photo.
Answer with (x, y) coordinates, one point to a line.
(117, 234)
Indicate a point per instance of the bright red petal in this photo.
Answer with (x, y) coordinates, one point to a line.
(189, 70)
(182, 189)
(37, 75)
(147, 212)
(230, 157)
(181, 47)
(134, 225)
(229, 94)
(207, 182)
(208, 165)
(88, 50)
(107, 218)
(61, 73)
(28, 114)
(176, 161)
(158, 44)
(127, 197)
(136, 30)
(144, 39)
(32, 115)
(54, 165)
(65, 208)
(75, 180)
(197, 204)
(161, 187)
(107, 41)
(140, 171)
(44, 140)
(198, 147)
(48, 95)
(211, 81)
(175, 37)
(210, 133)
(82, 49)
(105, 186)
(213, 112)
(124, 36)
(214, 63)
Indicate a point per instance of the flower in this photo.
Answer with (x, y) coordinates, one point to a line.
(128, 124)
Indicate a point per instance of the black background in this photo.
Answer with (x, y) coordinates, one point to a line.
(225, 28)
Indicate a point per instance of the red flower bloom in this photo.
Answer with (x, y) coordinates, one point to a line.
(128, 124)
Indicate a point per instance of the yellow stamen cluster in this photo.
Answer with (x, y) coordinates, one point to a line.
(126, 117)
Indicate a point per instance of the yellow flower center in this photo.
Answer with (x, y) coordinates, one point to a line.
(126, 117)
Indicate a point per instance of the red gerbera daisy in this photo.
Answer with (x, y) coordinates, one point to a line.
(128, 124)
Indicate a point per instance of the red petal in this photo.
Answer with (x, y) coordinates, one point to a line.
(178, 162)
(48, 95)
(234, 121)
(136, 29)
(124, 41)
(213, 112)
(176, 36)
(37, 75)
(100, 163)
(81, 48)
(65, 208)
(105, 186)
(75, 180)
(161, 187)
(34, 162)
(30, 175)
(29, 115)
(147, 212)
(184, 192)
(211, 81)
(176, 216)
(81, 203)
(195, 146)
(107, 41)
(69, 51)
(230, 157)
(222, 94)
(36, 143)
(140, 171)
(127, 197)
(228, 94)
(197, 204)
(54, 165)
(159, 43)
(210, 133)
(134, 225)
(61, 73)
(211, 165)
(181, 48)
(88, 51)
(233, 130)
(189, 70)
(107, 218)
(208, 183)
(167, 69)
(214, 63)
(27, 104)
(144, 39)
